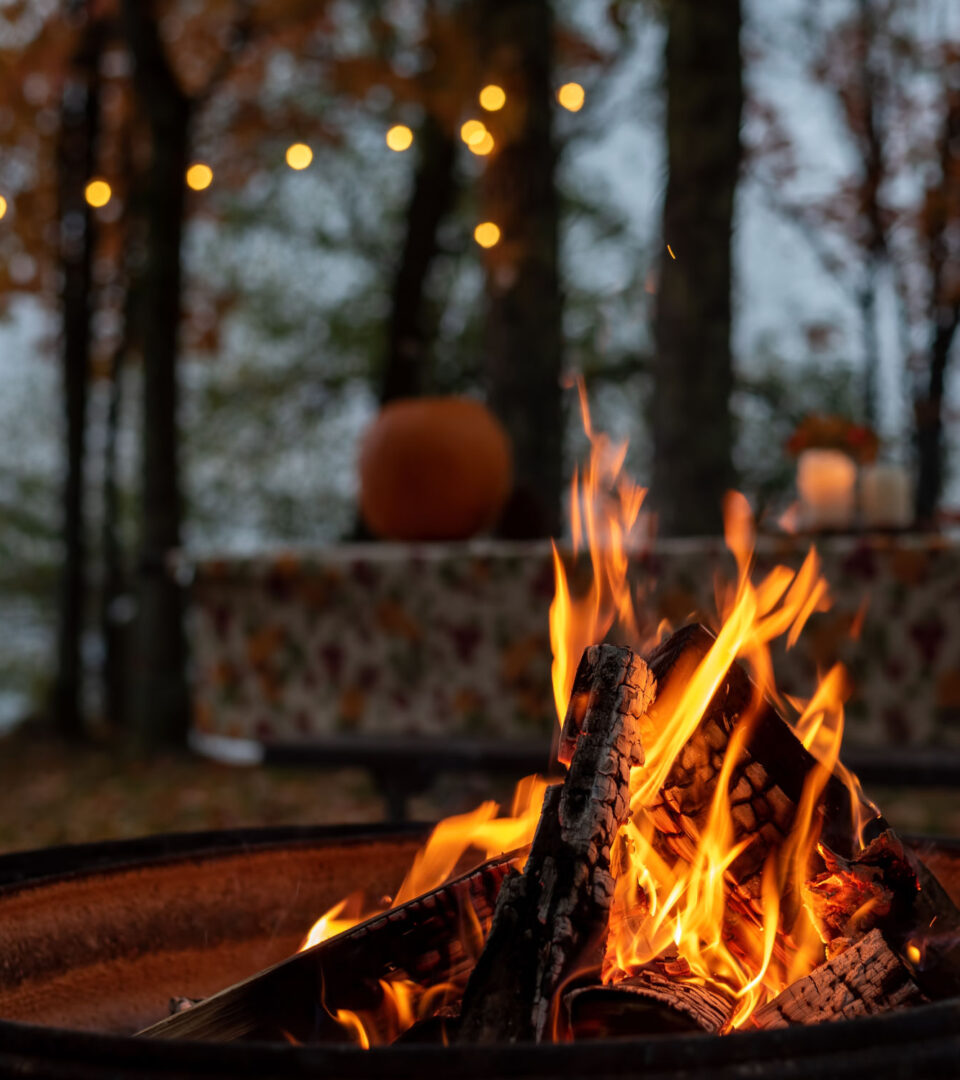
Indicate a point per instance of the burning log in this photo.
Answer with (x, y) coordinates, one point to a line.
(864, 979)
(422, 939)
(654, 1002)
(552, 919)
(767, 783)
(887, 887)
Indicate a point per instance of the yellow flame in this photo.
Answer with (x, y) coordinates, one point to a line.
(605, 509)
(3, 206)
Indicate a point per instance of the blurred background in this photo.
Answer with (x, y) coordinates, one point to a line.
(231, 231)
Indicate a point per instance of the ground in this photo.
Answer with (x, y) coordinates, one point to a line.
(53, 793)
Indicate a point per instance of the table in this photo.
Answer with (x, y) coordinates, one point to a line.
(452, 640)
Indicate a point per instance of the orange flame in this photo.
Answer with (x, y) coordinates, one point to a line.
(676, 892)
(605, 507)
(683, 897)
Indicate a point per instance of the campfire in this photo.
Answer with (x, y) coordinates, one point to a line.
(706, 864)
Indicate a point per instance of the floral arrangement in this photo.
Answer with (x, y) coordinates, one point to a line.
(821, 432)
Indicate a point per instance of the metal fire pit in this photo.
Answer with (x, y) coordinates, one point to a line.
(95, 939)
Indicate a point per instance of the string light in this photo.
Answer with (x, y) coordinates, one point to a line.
(399, 138)
(473, 132)
(571, 96)
(484, 146)
(97, 193)
(487, 234)
(3, 206)
(492, 98)
(199, 176)
(299, 156)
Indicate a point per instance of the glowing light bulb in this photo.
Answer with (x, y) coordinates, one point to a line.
(199, 176)
(97, 193)
(484, 146)
(473, 132)
(487, 234)
(399, 138)
(299, 156)
(571, 96)
(492, 98)
(3, 206)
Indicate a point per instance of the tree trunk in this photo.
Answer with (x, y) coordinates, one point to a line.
(523, 333)
(114, 618)
(929, 426)
(408, 340)
(79, 116)
(693, 378)
(160, 700)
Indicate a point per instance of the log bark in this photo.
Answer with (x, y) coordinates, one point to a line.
(425, 940)
(652, 1002)
(865, 979)
(552, 919)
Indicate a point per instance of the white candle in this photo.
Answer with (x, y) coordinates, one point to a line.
(886, 497)
(826, 482)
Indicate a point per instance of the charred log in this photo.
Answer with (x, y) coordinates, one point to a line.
(425, 940)
(656, 1001)
(887, 887)
(552, 919)
(865, 979)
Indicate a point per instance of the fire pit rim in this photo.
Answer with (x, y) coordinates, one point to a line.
(67, 862)
(928, 1033)
(931, 1032)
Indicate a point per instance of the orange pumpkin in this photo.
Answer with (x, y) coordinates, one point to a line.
(437, 468)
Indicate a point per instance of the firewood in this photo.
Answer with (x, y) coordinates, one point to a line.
(888, 887)
(552, 919)
(922, 925)
(655, 1001)
(422, 940)
(768, 780)
(864, 979)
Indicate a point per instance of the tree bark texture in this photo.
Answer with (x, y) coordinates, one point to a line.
(942, 209)
(693, 368)
(523, 343)
(160, 700)
(79, 125)
(406, 367)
